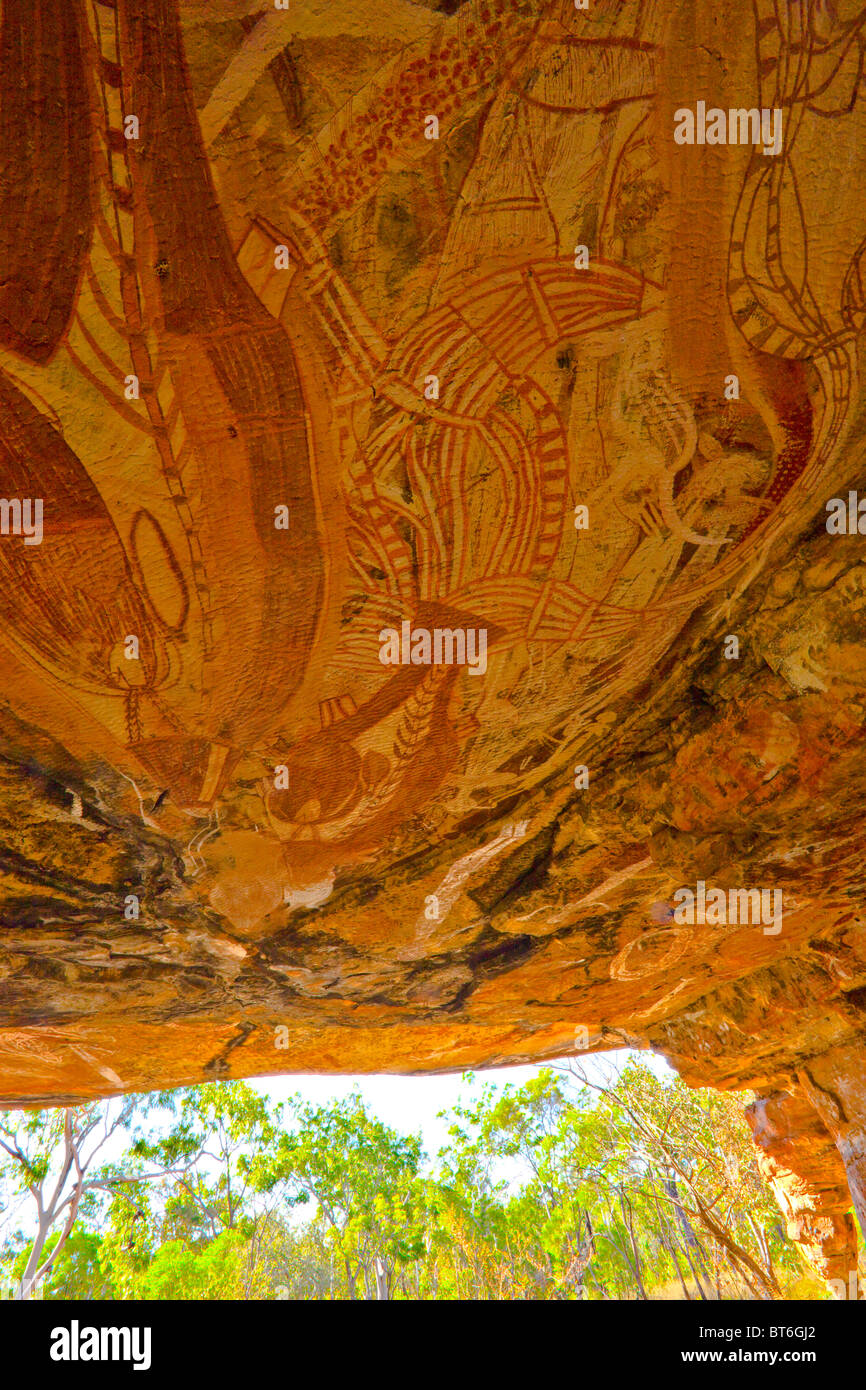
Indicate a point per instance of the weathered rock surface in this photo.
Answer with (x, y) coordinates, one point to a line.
(292, 374)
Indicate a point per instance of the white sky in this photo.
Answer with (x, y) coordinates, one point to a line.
(410, 1104)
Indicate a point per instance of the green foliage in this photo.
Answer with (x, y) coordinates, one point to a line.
(361, 1174)
(564, 1188)
(76, 1273)
(178, 1272)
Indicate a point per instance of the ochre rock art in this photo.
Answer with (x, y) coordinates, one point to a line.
(417, 431)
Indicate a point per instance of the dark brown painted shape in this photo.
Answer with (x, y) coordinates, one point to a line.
(45, 212)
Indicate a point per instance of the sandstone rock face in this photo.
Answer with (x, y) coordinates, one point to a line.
(422, 424)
